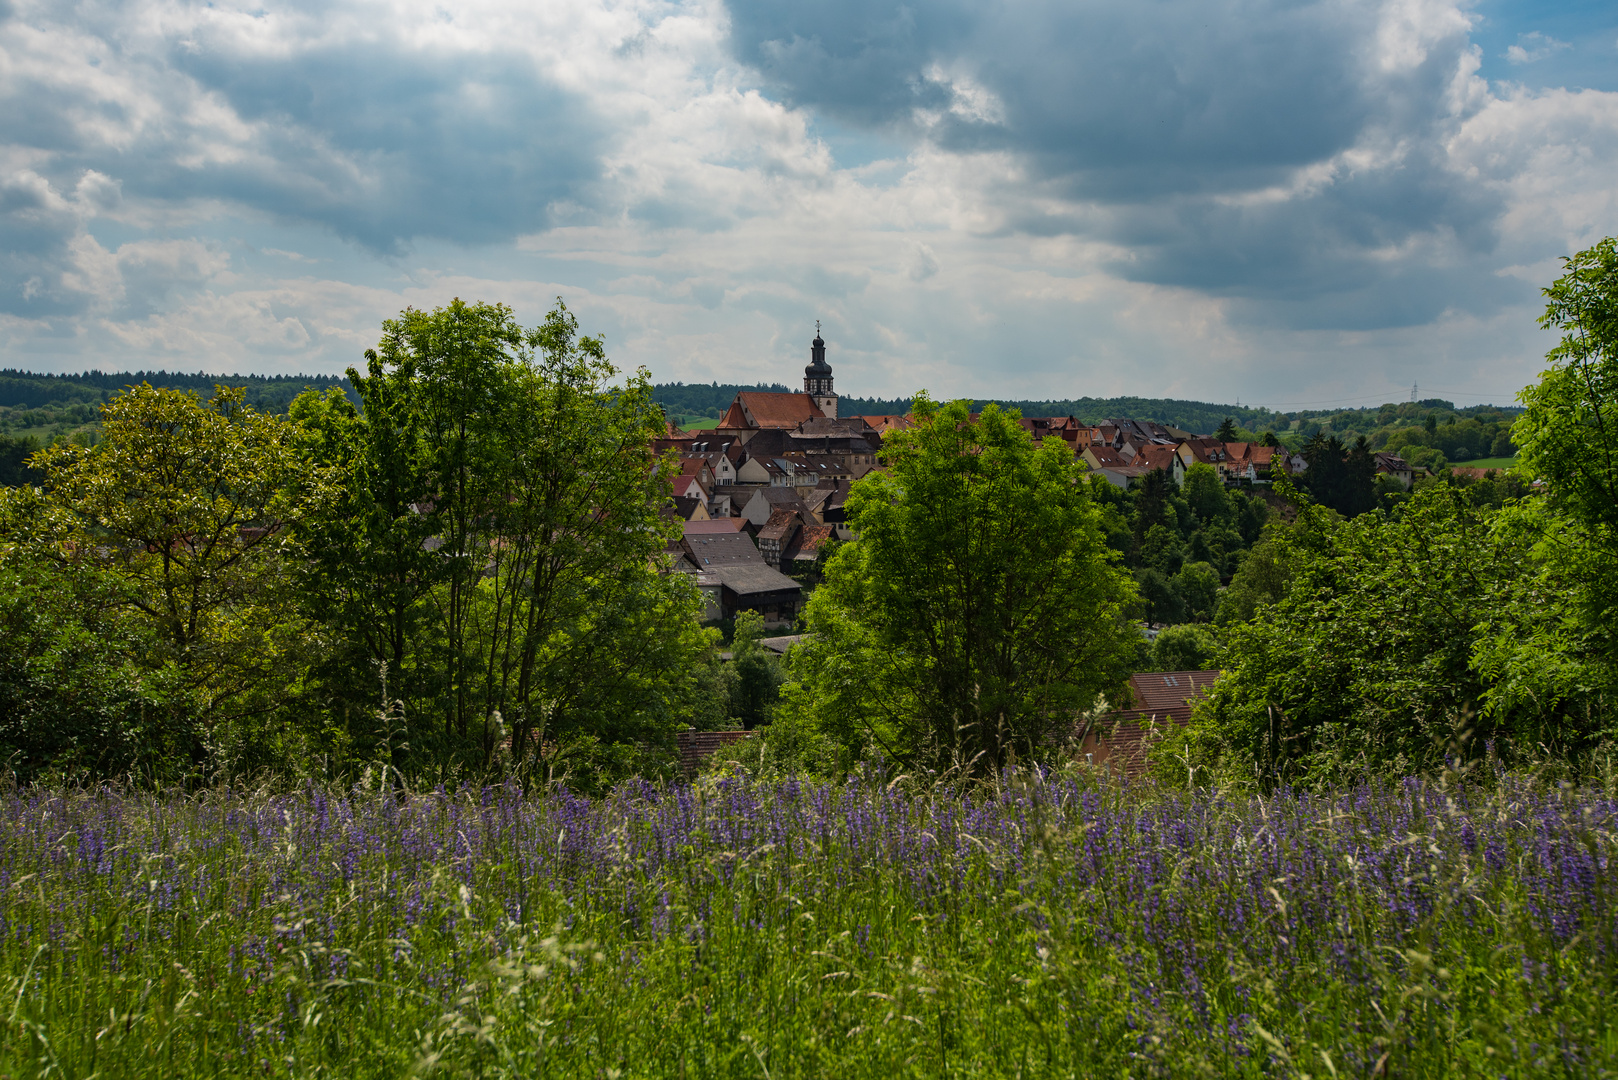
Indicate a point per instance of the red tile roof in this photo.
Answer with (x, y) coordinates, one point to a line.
(1169, 693)
(776, 410)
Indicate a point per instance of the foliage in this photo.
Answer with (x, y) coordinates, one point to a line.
(1187, 647)
(1389, 649)
(979, 608)
(183, 520)
(498, 540)
(869, 928)
(1261, 579)
(758, 674)
(1343, 478)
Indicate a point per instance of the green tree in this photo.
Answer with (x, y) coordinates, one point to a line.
(1381, 653)
(1197, 587)
(1261, 579)
(1227, 430)
(758, 672)
(504, 501)
(979, 609)
(189, 513)
(1187, 647)
(1205, 492)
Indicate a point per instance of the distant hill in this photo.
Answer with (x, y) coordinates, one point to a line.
(73, 399)
(267, 393)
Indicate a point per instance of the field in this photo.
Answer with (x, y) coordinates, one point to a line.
(1489, 463)
(1042, 926)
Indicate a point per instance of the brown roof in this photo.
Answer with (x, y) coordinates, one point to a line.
(1168, 693)
(811, 538)
(1160, 701)
(715, 526)
(776, 410)
(1154, 457)
(733, 417)
(780, 525)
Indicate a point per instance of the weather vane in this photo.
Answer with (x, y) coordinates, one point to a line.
(817, 328)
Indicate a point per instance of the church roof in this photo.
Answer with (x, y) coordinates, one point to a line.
(763, 410)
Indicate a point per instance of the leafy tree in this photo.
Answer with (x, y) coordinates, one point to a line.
(1162, 604)
(1379, 655)
(1261, 579)
(1569, 606)
(1205, 492)
(502, 531)
(1227, 430)
(979, 609)
(1197, 588)
(1186, 647)
(1569, 433)
(188, 513)
(758, 674)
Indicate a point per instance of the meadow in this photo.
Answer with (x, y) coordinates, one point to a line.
(1042, 925)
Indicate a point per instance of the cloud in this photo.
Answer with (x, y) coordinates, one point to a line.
(1038, 198)
(381, 124)
(1264, 149)
(1533, 47)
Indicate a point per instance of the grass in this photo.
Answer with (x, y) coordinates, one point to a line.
(1488, 463)
(697, 423)
(1039, 927)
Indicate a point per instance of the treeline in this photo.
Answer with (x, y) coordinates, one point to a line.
(265, 393)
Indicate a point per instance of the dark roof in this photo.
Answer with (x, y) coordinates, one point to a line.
(685, 507)
(781, 644)
(708, 550)
(748, 579)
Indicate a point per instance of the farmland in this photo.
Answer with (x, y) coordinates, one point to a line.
(1034, 925)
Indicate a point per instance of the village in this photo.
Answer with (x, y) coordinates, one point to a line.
(762, 493)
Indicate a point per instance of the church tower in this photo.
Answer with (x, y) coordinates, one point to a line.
(817, 377)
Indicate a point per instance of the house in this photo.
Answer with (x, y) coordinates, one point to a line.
(1154, 457)
(1391, 464)
(760, 503)
(746, 582)
(1158, 702)
(689, 509)
(694, 480)
(714, 455)
(777, 534)
(1103, 457)
(803, 559)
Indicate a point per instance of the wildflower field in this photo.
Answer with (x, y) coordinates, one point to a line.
(1040, 926)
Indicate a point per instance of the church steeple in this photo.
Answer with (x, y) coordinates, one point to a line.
(817, 376)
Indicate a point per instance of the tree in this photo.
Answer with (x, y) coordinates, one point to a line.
(1187, 647)
(1568, 433)
(979, 609)
(1382, 651)
(1197, 587)
(504, 499)
(1261, 579)
(1206, 492)
(188, 512)
(1227, 430)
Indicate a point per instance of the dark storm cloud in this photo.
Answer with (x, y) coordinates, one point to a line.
(1157, 126)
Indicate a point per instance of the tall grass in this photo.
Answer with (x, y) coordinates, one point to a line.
(1039, 927)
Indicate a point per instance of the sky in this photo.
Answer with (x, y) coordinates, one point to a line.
(1275, 202)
